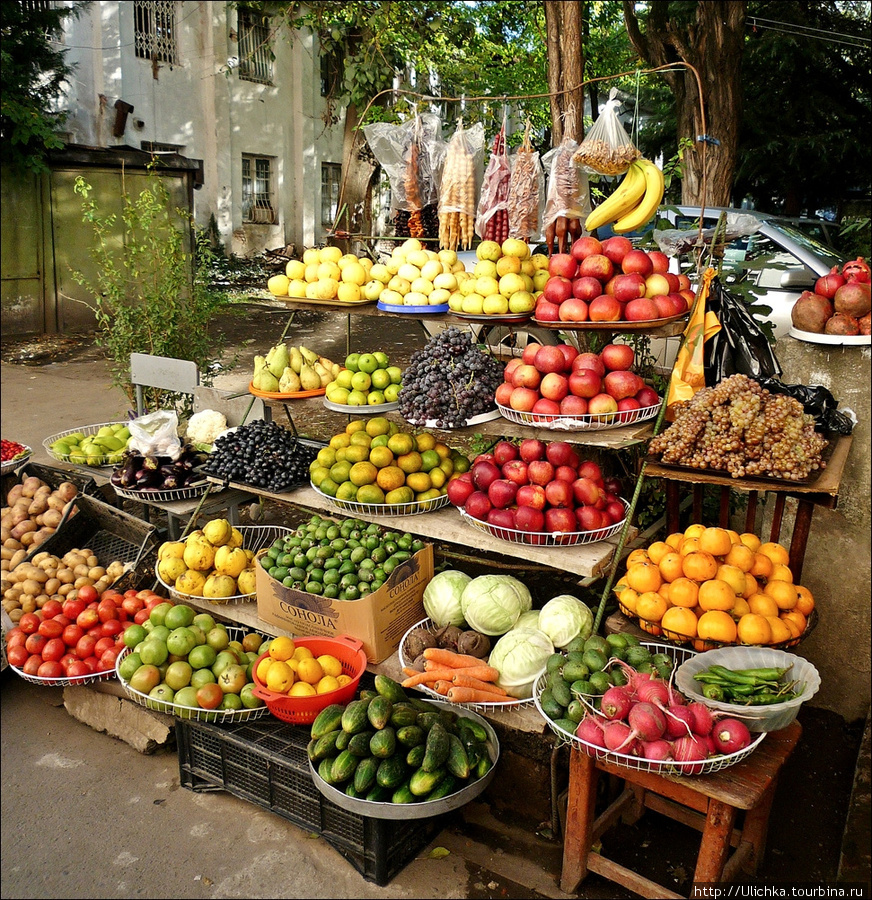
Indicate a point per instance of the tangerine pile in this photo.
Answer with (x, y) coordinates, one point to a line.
(372, 461)
(297, 672)
(711, 586)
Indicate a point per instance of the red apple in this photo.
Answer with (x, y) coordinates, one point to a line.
(557, 289)
(589, 469)
(526, 376)
(565, 473)
(562, 265)
(690, 296)
(522, 399)
(589, 518)
(561, 519)
(637, 261)
(597, 266)
(483, 457)
(503, 452)
(585, 383)
(529, 353)
(626, 405)
(561, 453)
(528, 518)
(604, 309)
(554, 386)
(549, 359)
(679, 303)
(656, 284)
(459, 489)
(531, 449)
(569, 353)
(683, 282)
(573, 310)
(591, 361)
(477, 505)
(546, 407)
(573, 405)
(665, 305)
(531, 495)
(609, 286)
(647, 397)
(584, 247)
(613, 485)
(546, 311)
(559, 494)
(627, 287)
(483, 474)
(586, 491)
(586, 288)
(503, 393)
(511, 365)
(616, 511)
(659, 260)
(516, 470)
(501, 518)
(617, 356)
(642, 310)
(602, 405)
(501, 492)
(674, 282)
(540, 471)
(616, 248)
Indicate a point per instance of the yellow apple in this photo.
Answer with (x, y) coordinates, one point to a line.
(516, 247)
(414, 298)
(458, 266)
(438, 297)
(540, 260)
(417, 258)
(329, 254)
(277, 285)
(380, 273)
(312, 273)
(455, 301)
(393, 264)
(495, 305)
(329, 270)
(511, 284)
(295, 269)
(411, 244)
(473, 304)
(521, 302)
(467, 287)
(297, 288)
(486, 285)
(372, 289)
(540, 279)
(390, 297)
(400, 285)
(312, 256)
(485, 268)
(449, 257)
(409, 271)
(354, 273)
(345, 259)
(347, 292)
(431, 269)
(327, 288)
(445, 281)
(489, 250)
(508, 265)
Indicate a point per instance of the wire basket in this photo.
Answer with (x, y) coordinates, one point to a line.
(10, 465)
(189, 492)
(87, 431)
(591, 422)
(65, 682)
(657, 767)
(771, 717)
(406, 661)
(190, 712)
(414, 508)
(254, 538)
(546, 538)
(304, 710)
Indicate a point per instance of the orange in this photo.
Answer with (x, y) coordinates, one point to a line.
(740, 556)
(639, 555)
(715, 541)
(740, 607)
(762, 605)
(355, 453)
(699, 566)
(650, 627)
(663, 590)
(424, 441)
(309, 670)
(381, 457)
(689, 545)
(327, 684)
(781, 572)
(754, 629)
(302, 689)
(671, 566)
(674, 540)
(762, 566)
(805, 600)
(716, 594)
(430, 459)
(370, 493)
(303, 653)
(694, 531)
(437, 476)
(377, 425)
(355, 425)
(795, 616)
(678, 623)
(443, 450)
(734, 536)
(734, 577)
(628, 599)
(716, 625)
(401, 442)
(794, 630)
(340, 440)
(644, 577)
(783, 593)
(751, 541)
(390, 477)
(684, 592)
(650, 606)
(657, 551)
(410, 462)
(780, 631)
(360, 439)
(751, 586)
(363, 472)
(776, 552)
(282, 648)
(419, 481)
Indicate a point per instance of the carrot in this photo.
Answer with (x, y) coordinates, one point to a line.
(420, 678)
(442, 687)
(482, 672)
(462, 680)
(459, 694)
(451, 658)
(445, 672)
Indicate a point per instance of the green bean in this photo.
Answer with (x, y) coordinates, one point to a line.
(768, 674)
(713, 692)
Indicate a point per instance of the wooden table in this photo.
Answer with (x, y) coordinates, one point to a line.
(710, 803)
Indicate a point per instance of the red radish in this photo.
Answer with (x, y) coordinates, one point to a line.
(620, 738)
(653, 691)
(688, 750)
(615, 703)
(590, 731)
(703, 720)
(647, 723)
(730, 736)
(679, 723)
(657, 750)
(707, 742)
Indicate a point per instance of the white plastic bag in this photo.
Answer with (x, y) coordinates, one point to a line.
(156, 433)
(607, 148)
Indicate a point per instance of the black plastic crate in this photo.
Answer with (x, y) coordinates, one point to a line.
(264, 761)
(53, 477)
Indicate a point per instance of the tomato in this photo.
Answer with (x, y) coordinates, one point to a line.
(85, 646)
(152, 601)
(131, 592)
(88, 593)
(52, 608)
(132, 605)
(50, 628)
(209, 696)
(113, 595)
(71, 634)
(35, 643)
(103, 644)
(78, 669)
(141, 616)
(17, 655)
(107, 659)
(111, 628)
(67, 659)
(73, 606)
(107, 610)
(92, 663)
(96, 631)
(50, 669)
(32, 664)
(87, 618)
(15, 637)
(64, 620)
(53, 650)
(29, 622)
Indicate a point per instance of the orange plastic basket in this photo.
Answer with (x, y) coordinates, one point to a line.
(304, 710)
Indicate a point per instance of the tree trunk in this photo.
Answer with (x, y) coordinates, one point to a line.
(563, 26)
(353, 213)
(712, 45)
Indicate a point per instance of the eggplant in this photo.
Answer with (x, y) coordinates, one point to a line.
(151, 462)
(115, 478)
(127, 477)
(170, 482)
(147, 478)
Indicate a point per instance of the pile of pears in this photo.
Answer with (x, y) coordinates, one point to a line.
(289, 370)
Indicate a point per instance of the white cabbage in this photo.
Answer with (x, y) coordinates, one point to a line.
(564, 618)
(492, 604)
(442, 597)
(520, 656)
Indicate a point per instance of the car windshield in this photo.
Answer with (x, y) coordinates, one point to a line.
(809, 244)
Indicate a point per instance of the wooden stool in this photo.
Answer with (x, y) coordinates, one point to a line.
(709, 803)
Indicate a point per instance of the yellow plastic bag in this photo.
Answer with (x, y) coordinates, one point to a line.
(688, 373)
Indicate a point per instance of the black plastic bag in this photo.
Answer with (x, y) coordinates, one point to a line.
(740, 346)
(817, 401)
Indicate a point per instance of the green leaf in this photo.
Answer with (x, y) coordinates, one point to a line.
(438, 853)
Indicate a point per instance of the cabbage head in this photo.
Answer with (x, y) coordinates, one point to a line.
(492, 604)
(520, 656)
(529, 619)
(564, 618)
(442, 597)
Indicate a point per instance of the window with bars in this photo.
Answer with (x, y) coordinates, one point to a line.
(257, 203)
(331, 178)
(255, 50)
(154, 30)
(331, 73)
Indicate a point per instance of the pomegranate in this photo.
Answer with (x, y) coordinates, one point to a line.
(866, 324)
(842, 324)
(857, 270)
(811, 312)
(828, 284)
(853, 299)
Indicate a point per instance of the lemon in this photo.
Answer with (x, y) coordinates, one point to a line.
(327, 684)
(309, 670)
(302, 689)
(282, 648)
(303, 653)
(279, 677)
(330, 664)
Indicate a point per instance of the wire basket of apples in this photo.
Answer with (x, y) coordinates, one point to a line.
(539, 493)
(559, 387)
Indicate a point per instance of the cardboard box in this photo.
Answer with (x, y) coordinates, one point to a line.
(379, 619)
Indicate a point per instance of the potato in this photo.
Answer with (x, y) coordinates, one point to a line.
(39, 557)
(17, 557)
(31, 586)
(23, 528)
(67, 491)
(31, 485)
(41, 600)
(28, 538)
(96, 573)
(56, 503)
(5, 529)
(14, 494)
(81, 570)
(65, 575)
(65, 589)
(15, 615)
(51, 586)
(38, 505)
(92, 560)
(19, 515)
(28, 603)
(51, 518)
(81, 581)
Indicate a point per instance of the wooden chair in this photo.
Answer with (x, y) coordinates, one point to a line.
(178, 375)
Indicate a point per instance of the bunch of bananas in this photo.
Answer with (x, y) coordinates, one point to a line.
(633, 203)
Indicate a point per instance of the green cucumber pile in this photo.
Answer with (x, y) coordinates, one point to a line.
(748, 687)
(339, 560)
(585, 668)
(388, 747)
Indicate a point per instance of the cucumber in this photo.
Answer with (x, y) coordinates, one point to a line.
(344, 766)
(354, 717)
(572, 671)
(576, 711)
(478, 730)
(415, 756)
(422, 781)
(325, 770)
(378, 794)
(447, 786)
(364, 774)
(550, 706)
(437, 748)
(420, 704)
(566, 724)
(485, 764)
(411, 735)
(324, 746)
(404, 795)
(458, 761)
(595, 660)
(329, 719)
(383, 743)
(379, 712)
(426, 719)
(403, 714)
(391, 772)
(560, 689)
(390, 689)
(352, 791)
(359, 743)
(343, 740)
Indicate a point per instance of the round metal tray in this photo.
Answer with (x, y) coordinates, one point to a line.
(412, 310)
(191, 492)
(546, 538)
(507, 318)
(595, 422)
(414, 508)
(838, 340)
(86, 430)
(373, 410)
(468, 423)
(10, 465)
(426, 808)
(405, 660)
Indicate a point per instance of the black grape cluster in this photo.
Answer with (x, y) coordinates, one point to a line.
(740, 427)
(449, 381)
(262, 454)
